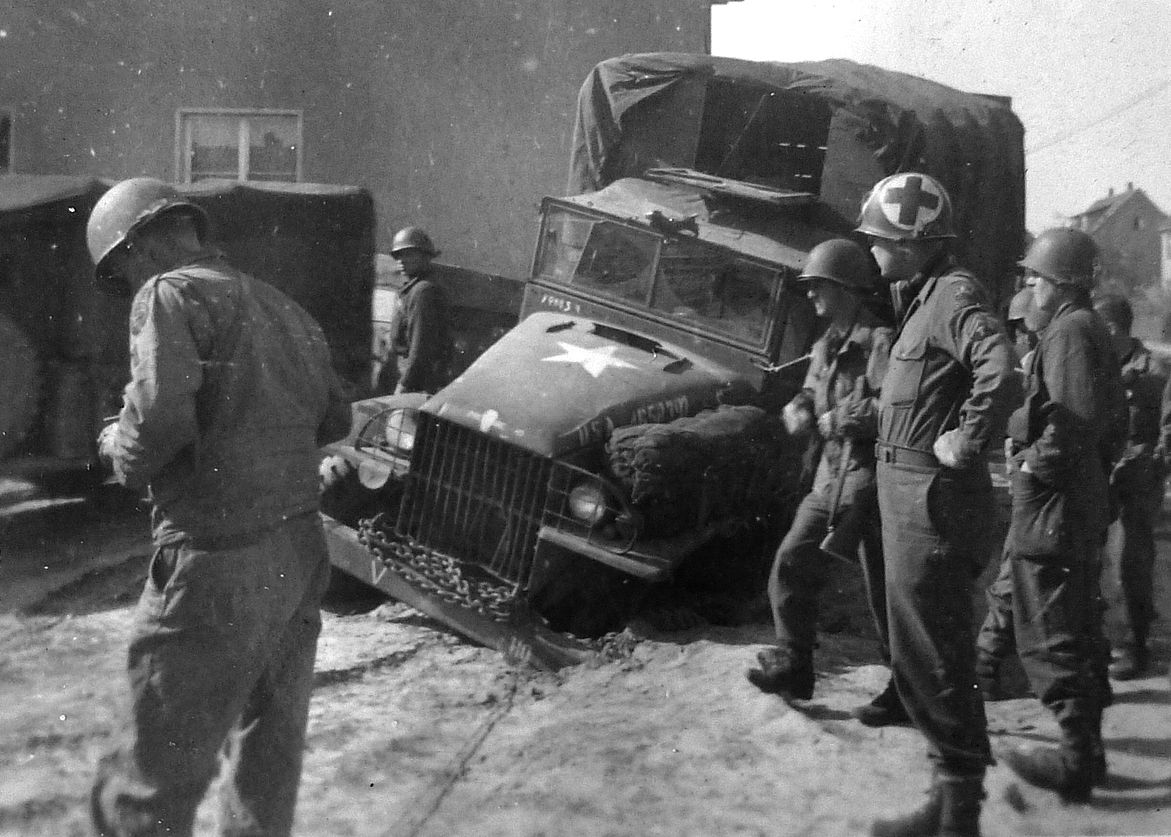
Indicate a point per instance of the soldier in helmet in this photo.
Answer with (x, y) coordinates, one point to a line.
(1137, 480)
(1063, 439)
(420, 343)
(231, 394)
(837, 407)
(949, 387)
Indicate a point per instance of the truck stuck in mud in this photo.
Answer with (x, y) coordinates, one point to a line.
(626, 429)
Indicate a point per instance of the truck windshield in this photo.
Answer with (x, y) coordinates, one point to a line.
(703, 287)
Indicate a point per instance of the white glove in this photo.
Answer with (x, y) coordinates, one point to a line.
(949, 449)
(106, 442)
(797, 419)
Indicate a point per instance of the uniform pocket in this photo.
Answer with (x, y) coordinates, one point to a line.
(1039, 528)
(905, 373)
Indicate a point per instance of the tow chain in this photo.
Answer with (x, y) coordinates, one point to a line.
(442, 576)
(439, 574)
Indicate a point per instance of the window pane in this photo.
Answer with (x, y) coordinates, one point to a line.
(712, 290)
(5, 141)
(272, 153)
(214, 146)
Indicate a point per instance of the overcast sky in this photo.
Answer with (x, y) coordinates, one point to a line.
(1091, 81)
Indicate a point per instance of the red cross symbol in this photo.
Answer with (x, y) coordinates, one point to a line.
(910, 198)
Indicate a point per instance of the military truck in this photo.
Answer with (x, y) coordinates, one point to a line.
(622, 429)
(64, 345)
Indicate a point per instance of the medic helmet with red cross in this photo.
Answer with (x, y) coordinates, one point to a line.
(907, 206)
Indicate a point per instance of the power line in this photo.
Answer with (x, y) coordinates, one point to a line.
(1110, 114)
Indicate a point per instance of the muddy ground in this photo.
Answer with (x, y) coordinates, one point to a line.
(414, 731)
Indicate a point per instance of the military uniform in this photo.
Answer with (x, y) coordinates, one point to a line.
(951, 368)
(231, 394)
(1065, 432)
(420, 344)
(1137, 480)
(844, 378)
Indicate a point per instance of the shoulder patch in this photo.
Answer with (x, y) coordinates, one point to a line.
(139, 310)
(985, 326)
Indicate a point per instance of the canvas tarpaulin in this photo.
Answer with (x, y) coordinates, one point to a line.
(313, 241)
(726, 116)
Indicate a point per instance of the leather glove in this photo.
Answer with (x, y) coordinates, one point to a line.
(951, 449)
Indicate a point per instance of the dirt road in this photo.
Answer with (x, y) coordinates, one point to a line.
(415, 732)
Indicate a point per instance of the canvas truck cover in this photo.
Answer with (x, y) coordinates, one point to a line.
(313, 241)
(831, 128)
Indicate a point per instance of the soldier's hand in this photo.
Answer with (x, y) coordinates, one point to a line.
(797, 420)
(951, 449)
(106, 442)
(1009, 462)
(825, 424)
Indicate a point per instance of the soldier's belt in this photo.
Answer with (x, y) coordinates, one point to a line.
(899, 455)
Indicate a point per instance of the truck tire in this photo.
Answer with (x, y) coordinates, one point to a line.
(20, 381)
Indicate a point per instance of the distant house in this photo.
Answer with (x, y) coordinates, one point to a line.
(1127, 228)
(1165, 256)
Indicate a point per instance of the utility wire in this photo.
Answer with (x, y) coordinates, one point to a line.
(1110, 114)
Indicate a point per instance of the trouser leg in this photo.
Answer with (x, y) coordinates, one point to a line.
(874, 576)
(204, 634)
(929, 605)
(259, 792)
(1136, 567)
(1055, 624)
(798, 573)
(996, 639)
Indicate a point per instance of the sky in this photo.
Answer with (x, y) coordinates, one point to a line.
(1091, 81)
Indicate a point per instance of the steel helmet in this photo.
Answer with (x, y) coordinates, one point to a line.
(840, 260)
(412, 238)
(906, 207)
(128, 206)
(1064, 256)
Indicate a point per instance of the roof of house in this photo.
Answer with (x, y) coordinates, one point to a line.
(1100, 210)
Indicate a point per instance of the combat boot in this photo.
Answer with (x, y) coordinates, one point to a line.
(784, 672)
(1070, 769)
(885, 710)
(1132, 662)
(952, 809)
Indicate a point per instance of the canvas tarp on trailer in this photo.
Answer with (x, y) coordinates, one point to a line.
(55, 333)
(832, 128)
(313, 241)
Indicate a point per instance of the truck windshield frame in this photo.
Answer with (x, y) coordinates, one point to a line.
(682, 279)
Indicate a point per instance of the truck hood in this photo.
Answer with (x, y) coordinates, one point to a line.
(556, 383)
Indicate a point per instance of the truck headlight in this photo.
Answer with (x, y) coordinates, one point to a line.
(399, 429)
(588, 503)
(392, 432)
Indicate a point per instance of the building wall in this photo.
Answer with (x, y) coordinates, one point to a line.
(456, 114)
(1129, 242)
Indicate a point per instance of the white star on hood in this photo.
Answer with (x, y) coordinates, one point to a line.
(595, 361)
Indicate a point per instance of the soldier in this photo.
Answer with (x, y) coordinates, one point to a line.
(995, 642)
(838, 408)
(1137, 480)
(1064, 439)
(231, 394)
(947, 392)
(420, 350)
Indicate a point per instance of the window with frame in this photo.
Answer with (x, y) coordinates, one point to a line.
(238, 144)
(5, 141)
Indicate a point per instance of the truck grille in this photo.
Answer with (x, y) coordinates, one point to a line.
(474, 498)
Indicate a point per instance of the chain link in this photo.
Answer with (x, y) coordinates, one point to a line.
(442, 576)
(439, 574)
